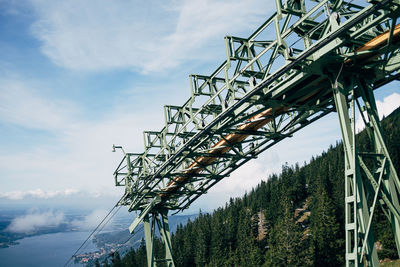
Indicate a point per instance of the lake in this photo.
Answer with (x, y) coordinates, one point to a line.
(45, 250)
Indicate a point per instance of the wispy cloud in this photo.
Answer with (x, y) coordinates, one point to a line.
(90, 221)
(37, 193)
(35, 220)
(240, 181)
(26, 106)
(101, 35)
(247, 176)
(79, 152)
(199, 23)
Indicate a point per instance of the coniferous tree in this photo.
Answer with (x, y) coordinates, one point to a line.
(247, 249)
(326, 244)
(285, 241)
(116, 260)
(200, 257)
(217, 250)
(189, 239)
(177, 244)
(130, 258)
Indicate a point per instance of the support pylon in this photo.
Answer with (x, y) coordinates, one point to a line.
(150, 221)
(375, 182)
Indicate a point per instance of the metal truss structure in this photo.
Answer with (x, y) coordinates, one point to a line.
(310, 58)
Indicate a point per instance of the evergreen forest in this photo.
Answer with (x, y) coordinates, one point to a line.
(295, 218)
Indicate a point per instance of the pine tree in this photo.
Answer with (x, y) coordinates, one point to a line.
(200, 257)
(245, 237)
(189, 239)
(327, 247)
(129, 258)
(217, 250)
(285, 242)
(116, 260)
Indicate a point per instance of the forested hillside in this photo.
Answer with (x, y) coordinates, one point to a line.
(295, 218)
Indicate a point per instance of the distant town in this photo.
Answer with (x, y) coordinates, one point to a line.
(90, 257)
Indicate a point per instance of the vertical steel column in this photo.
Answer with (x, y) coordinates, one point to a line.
(149, 236)
(356, 207)
(161, 220)
(163, 226)
(389, 191)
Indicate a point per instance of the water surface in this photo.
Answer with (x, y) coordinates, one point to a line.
(45, 250)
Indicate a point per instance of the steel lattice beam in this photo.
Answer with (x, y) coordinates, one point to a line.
(264, 92)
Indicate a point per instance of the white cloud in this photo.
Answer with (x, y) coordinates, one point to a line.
(101, 35)
(385, 107)
(79, 152)
(90, 221)
(202, 21)
(82, 158)
(389, 104)
(24, 105)
(35, 220)
(243, 179)
(37, 193)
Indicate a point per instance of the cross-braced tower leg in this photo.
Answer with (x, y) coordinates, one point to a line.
(375, 182)
(163, 225)
(388, 186)
(150, 221)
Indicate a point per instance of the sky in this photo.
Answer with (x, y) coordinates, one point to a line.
(77, 77)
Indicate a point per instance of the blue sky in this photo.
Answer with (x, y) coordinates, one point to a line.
(79, 76)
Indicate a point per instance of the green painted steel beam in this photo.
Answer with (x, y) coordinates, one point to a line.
(265, 91)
